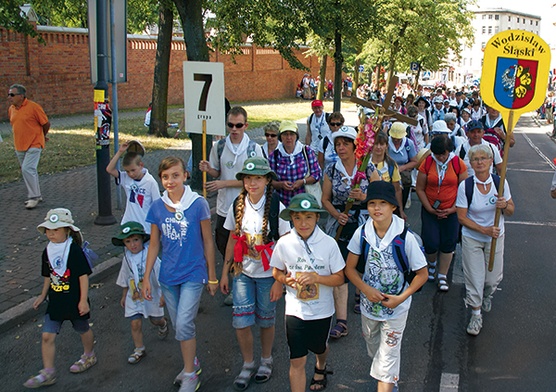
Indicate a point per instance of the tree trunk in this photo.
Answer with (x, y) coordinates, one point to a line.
(322, 77)
(338, 61)
(191, 16)
(159, 114)
(356, 76)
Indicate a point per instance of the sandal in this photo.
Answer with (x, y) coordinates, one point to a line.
(241, 383)
(320, 384)
(163, 331)
(84, 363)
(443, 284)
(432, 272)
(40, 380)
(136, 356)
(264, 372)
(339, 330)
(357, 306)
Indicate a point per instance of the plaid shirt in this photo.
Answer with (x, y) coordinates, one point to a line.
(286, 171)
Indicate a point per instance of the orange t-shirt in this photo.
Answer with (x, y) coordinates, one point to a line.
(27, 122)
(448, 191)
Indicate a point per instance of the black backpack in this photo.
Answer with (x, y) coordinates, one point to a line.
(273, 218)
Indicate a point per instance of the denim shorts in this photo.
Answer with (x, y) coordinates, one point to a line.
(140, 316)
(182, 302)
(252, 302)
(52, 326)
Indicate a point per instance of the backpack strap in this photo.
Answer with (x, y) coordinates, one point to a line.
(325, 144)
(400, 257)
(251, 149)
(219, 149)
(456, 165)
(428, 163)
(462, 152)
(364, 250)
(469, 185)
(274, 215)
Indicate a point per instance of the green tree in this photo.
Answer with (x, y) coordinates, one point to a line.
(13, 19)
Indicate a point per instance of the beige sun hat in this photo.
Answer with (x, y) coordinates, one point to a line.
(57, 218)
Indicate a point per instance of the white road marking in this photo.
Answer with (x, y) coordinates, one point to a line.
(531, 170)
(549, 161)
(550, 224)
(449, 382)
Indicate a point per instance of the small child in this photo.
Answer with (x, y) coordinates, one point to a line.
(66, 282)
(385, 295)
(181, 229)
(133, 237)
(310, 264)
(140, 186)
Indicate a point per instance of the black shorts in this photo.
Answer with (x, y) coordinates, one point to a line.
(307, 335)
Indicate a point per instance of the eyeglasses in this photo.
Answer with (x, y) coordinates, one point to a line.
(12, 94)
(335, 124)
(482, 159)
(273, 135)
(238, 125)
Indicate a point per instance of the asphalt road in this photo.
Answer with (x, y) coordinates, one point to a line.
(514, 351)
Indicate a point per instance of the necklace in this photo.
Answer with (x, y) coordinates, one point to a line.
(253, 206)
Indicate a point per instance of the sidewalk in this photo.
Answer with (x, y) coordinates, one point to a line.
(21, 245)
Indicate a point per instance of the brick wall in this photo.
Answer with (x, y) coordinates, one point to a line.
(57, 75)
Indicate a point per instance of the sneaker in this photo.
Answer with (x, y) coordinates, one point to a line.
(229, 300)
(163, 331)
(84, 363)
(40, 380)
(136, 356)
(181, 375)
(31, 203)
(487, 304)
(475, 324)
(190, 384)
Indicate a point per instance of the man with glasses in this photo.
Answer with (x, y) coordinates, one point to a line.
(225, 161)
(475, 133)
(30, 126)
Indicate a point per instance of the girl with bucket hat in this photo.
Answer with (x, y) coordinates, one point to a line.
(66, 283)
(254, 227)
(385, 292)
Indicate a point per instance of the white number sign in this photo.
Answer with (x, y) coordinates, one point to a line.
(203, 84)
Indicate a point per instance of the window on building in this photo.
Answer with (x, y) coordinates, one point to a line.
(464, 61)
(536, 23)
(490, 16)
(483, 44)
(496, 17)
(517, 20)
(484, 29)
(523, 20)
(496, 28)
(509, 18)
(531, 22)
(484, 16)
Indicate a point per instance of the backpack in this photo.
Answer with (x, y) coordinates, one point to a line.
(274, 233)
(455, 163)
(251, 149)
(326, 117)
(400, 256)
(469, 188)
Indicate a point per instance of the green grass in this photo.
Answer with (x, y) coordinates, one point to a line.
(75, 147)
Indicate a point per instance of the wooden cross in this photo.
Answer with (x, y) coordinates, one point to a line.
(385, 110)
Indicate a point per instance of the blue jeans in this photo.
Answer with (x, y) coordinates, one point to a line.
(252, 302)
(182, 302)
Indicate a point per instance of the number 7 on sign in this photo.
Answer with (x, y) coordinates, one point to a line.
(207, 78)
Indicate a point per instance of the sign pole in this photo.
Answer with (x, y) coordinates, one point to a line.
(509, 134)
(204, 157)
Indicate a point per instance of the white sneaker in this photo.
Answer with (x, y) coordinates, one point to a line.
(475, 324)
(487, 304)
(181, 375)
(190, 384)
(31, 203)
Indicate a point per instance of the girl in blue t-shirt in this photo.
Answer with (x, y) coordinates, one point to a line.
(180, 227)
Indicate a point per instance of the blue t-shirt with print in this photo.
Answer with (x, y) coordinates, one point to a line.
(183, 253)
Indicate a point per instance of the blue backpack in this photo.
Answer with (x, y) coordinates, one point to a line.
(400, 256)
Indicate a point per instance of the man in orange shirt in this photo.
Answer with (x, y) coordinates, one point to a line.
(30, 126)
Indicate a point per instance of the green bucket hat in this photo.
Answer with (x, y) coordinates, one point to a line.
(256, 166)
(127, 230)
(303, 202)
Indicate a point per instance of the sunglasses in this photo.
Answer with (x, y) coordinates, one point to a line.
(238, 125)
(12, 94)
(270, 135)
(336, 124)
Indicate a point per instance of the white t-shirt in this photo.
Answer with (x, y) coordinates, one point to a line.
(381, 271)
(316, 301)
(140, 195)
(133, 264)
(228, 171)
(466, 146)
(319, 129)
(252, 227)
(482, 209)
